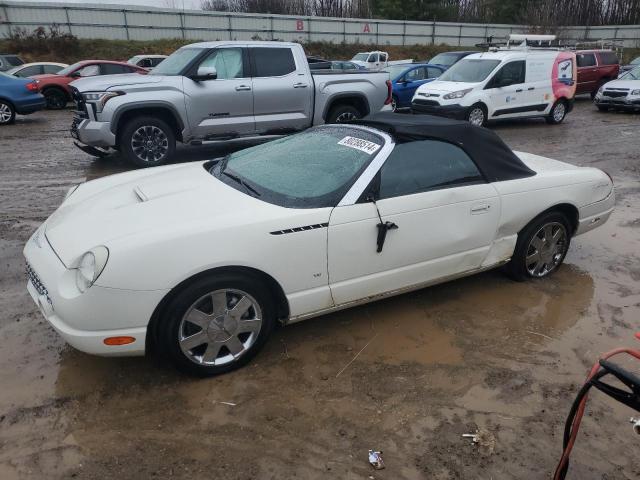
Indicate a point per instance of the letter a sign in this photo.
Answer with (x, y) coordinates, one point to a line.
(366, 29)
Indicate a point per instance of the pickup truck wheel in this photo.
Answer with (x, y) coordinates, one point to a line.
(343, 113)
(55, 98)
(217, 324)
(558, 112)
(541, 247)
(147, 142)
(7, 113)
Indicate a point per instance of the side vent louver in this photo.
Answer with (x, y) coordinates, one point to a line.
(300, 229)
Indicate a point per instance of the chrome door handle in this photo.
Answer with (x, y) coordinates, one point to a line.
(518, 90)
(300, 85)
(242, 88)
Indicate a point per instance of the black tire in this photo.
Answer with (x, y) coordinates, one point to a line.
(474, 112)
(394, 103)
(517, 268)
(558, 113)
(171, 325)
(7, 113)
(343, 113)
(157, 131)
(56, 98)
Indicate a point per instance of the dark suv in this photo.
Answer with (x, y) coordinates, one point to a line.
(7, 61)
(595, 68)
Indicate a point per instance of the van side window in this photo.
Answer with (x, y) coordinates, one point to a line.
(608, 58)
(417, 167)
(512, 73)
(586, 59)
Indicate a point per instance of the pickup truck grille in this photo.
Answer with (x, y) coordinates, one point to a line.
(615, 94)
(81, 105)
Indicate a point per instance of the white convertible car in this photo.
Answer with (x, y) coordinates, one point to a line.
(199, 261)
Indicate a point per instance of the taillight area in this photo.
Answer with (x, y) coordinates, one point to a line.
(32, 86)
(389, 93)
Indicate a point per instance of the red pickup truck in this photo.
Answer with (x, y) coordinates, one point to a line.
(595, 68)
(55, 87)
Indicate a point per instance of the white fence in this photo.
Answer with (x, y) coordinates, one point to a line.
(148, 23)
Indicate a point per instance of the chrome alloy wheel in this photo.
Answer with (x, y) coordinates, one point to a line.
(559, 112)
(546, 249)
(394, 104)
(346, 117)
(476, 116)
(220, 327)
(5, 113)
(149, 143)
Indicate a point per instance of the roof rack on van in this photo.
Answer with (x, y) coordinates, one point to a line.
(603, 44)
(522, 41)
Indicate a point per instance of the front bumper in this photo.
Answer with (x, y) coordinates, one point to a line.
(86, 320)
(92, 132)
(619, 102)
(431, 107)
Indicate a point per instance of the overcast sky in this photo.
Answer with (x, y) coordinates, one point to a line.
(150, 3)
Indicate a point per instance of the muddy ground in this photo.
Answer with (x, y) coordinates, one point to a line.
(479, 353)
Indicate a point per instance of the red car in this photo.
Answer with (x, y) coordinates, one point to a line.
(595, 68)
(55, 87)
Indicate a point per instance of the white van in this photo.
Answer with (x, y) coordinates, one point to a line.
(512, 83)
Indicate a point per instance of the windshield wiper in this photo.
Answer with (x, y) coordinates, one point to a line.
(240, 181)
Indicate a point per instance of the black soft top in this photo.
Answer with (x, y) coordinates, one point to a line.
(493, 157)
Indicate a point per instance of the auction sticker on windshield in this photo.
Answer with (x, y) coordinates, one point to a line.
(359, 144)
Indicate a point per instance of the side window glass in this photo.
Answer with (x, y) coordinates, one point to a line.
(29, 71)
(586, 59)
(89, 71)
(113, 69)
(416, 74)
(383, 57)
(416, 167)
(433, 72)
(373, 57)
(227, 62)
(273, 62)
(52, 69)
(512, 73)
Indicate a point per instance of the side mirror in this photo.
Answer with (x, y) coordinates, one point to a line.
(75, 74)
(205, 73)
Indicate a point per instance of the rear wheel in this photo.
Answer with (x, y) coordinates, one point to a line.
(477, 115)
(7, 113)
(56, 99)
(557, 113)
(343, 113)
(541, 247)
(217, 324)
(147, 142)
(394, 103)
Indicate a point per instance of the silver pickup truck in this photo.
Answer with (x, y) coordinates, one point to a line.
(217, 91)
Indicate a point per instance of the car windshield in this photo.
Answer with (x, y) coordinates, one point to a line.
(362, 57)
(312, 169)
(469, 70)
(633, 74)
(396, 70)
(175, 63)
(69, 69)
(447, 59)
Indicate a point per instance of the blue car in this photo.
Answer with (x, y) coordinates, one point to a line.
(447, 59)
(18, 95)
(406, 78)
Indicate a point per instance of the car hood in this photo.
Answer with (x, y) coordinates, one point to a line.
(439, 86)
(160, 202)
(103, 83)
(623, 83)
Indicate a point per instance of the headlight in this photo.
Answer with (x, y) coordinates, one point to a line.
(100, 98)
(70, 191)
(90, 267)
(635, 92)
(458, 94)
(601, 89)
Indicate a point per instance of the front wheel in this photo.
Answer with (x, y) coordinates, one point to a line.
(557, 114)
(147, 142)
(477, 115)
(217, 324)
(541, 247)
(394, 103)
(343, 113)
(7, 113)
(56, 99)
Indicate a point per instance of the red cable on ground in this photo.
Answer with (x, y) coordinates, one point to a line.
(575, 426)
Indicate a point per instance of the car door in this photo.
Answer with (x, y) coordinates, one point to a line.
(408, 84)
(282, 90)
(587, 72)
(221, 107)
(442, 217)
(506, 91)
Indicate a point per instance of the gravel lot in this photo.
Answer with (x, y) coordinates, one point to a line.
(479, 353)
